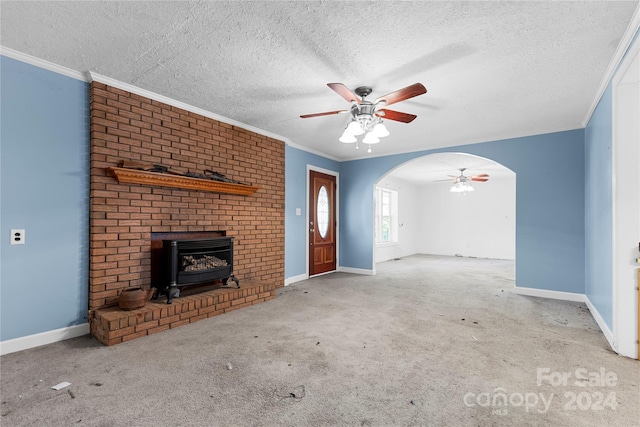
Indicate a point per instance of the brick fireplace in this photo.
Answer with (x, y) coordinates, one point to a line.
(124, 216)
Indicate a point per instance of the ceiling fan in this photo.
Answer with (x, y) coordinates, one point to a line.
(462, 182)
(366, 116)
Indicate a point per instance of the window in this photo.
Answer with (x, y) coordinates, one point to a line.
(323, 212)
(386, 217)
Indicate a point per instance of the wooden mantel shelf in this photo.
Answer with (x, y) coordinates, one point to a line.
(134, 176)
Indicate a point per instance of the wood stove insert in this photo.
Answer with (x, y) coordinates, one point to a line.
(195, 261)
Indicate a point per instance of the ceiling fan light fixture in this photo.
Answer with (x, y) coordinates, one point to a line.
(461, 187)
(354, 128)
(347, 138)
(370, 138)
(366, 116)
(380, 130)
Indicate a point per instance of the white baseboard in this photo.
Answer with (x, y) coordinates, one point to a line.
(544, 293)
(357, 271)
(570, 296)
(602, 324)
(294, 279)
(300, 277)
(43, 338)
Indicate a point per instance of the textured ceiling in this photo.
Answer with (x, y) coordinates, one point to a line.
(493, 69)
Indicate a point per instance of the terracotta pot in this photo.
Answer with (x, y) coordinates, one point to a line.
(133, 298)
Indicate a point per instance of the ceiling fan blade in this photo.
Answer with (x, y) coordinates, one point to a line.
(479, 179)
(344, 92)
(397, 116)
(482, 175)
(443, 180)
(402, 94)
(327, 113)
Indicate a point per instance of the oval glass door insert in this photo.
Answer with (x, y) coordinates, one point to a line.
(322, 211)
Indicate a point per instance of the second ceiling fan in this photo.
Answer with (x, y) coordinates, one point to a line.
(366, 116)
(462, 182)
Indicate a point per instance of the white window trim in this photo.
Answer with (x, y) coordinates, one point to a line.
(378, 215)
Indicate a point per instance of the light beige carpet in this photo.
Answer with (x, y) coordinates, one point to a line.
(429, 340)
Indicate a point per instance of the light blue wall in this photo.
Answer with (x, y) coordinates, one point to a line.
(549, 206)
(598, 208)
(45, 178)
(44, 150)
(295, 196)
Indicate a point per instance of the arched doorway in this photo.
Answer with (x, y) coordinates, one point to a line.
(430, 219)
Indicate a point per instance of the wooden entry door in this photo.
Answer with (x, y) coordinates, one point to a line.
(322, 223)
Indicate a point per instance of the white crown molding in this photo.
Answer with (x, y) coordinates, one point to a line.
(161, 98)
(94, 77)
(41, 63)
(459, 145)
(312, 151)
(623, 46)
(89, 77)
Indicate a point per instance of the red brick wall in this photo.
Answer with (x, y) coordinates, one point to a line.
(126, 126)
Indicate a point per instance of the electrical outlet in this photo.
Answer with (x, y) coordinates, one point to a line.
(17, 236)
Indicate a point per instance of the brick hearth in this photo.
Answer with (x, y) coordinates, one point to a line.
(113, 325)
